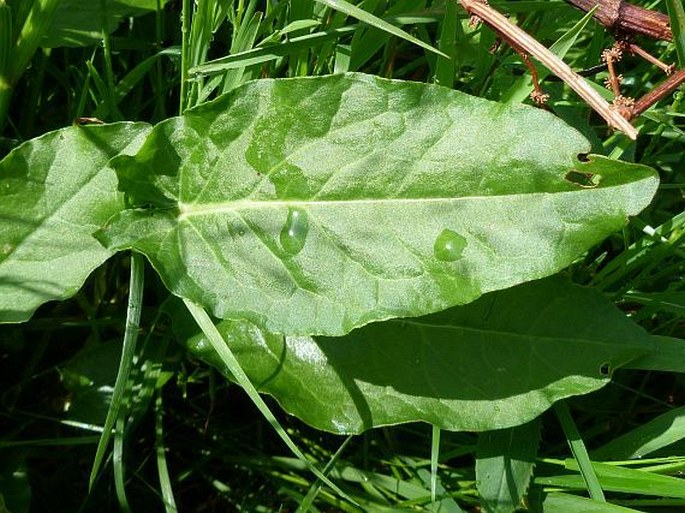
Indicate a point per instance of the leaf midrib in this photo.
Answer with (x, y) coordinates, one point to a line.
(194, 209)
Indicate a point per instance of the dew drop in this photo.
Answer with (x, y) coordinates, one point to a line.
(449, 246)
(294, 233)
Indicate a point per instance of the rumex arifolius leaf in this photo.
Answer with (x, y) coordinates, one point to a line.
(317, 205)
(55, 191)
(495, 363)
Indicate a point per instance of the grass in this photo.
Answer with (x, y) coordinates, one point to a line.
(191, 441)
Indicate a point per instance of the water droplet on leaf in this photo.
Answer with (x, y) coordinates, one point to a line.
(294, 233)
(449, 246)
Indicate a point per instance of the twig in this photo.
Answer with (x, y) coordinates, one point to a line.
(659, 92)
(626, 18)
(513, 34)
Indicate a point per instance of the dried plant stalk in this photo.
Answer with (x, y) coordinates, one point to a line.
(626, 18)
(520, 39)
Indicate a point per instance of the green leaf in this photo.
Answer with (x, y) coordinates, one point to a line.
(668, 355)
(55, 191)
(676, 13)
(505, 459)
(621, 479)
(564, 503)
(495, 363)
(660, 432)
(317, 205)
(374, 21)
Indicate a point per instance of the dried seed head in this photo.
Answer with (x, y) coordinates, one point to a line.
(539, 98)
(609, 85)
(624, 101)
(474, 21)
(624, 105)
(615, 53)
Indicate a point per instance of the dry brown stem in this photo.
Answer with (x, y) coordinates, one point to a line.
(623, 17)
(518, 38)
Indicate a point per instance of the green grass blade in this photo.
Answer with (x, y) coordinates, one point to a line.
(185, 55)
(676, 12)
(435, 456)
(162, 468)
(660, 432)
(668, 355)
(308, 500)
(6, 38)
(451, 25)
(135, 305)
(118, 463)
(374, 21)
(615, 478)
(565, 503)
(260, 55)
(229, 359)
(579, 451)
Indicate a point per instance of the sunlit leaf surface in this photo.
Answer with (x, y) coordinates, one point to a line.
(317, 205)
(55, 191)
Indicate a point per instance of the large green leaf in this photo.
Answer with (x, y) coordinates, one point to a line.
(495, 363)
(55, 191)
(317, 205)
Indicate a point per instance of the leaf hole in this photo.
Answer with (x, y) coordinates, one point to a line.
(605, 369)
(586, 180)
(583, 157)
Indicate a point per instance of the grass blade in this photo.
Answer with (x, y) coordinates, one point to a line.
(451, 26)
(435, 456)
(260, 55)
(579, 451)
(135, 305)
(162, 468)
(660, 432)
(676, 12)
(308, 499)
(374, 21)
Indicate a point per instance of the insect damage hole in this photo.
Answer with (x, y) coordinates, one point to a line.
(586, 180)
(605, 369)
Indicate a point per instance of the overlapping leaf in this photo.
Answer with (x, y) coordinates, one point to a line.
(55, 191)
(317, 205)
(495, 363)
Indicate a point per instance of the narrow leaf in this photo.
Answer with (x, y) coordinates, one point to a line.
(55, 191)
(565, 503)
(317, 205)
(621, 479)
(660, 432)
(676, 13)
(505, 460)
(374, 21)
(495, 363)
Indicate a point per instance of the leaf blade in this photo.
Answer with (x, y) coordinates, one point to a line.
(380, 170)
(542, 341)
(55, 191)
